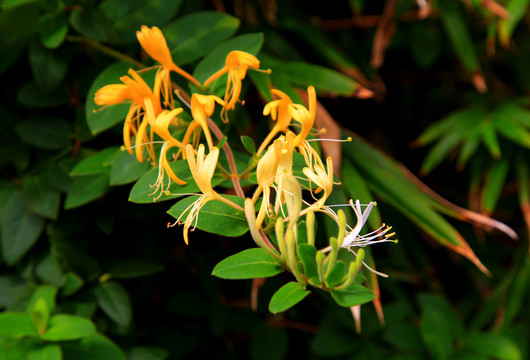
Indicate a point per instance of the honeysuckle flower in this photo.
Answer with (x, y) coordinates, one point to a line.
(202, 107)
(135, 90)
(354, 239)
(236, 65)
(266, 174)
(305, 116)
(323, 179)
(279, 112)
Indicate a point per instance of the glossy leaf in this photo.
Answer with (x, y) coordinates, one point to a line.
(287, 296)
(352, 295)
(215, 217)
(68, 327)
(92, 347)
(192, 36)
(126, 169)
(114, 300)
(86, 189)
(337, 274)
(54, 28)
(46, 352)
(307, 254)
(95, 163)
(248, 264)
(40, 197)
(16, 325)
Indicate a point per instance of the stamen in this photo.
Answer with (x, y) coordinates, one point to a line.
(349, 139)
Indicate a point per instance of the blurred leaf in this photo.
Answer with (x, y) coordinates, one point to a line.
(147, 353)
(40, 197)
(457, 31)
(40, 316)
(517, 10)
(53, 29)
(74, 259)
(126, 169)
(248, 264)
(92, 347)
(268, 342)
(119, 268)
(48, 66)
(325, 80)
(215, 60)
(405, 336)
(86, 189)
(215, 217)
(287, 296)
(508, 126)
(20, 230)
(98, 118)
(16, 325)
(46, 352)
(95, 163)
(128, 16)
(68, 327)
(50, 271)
(353, 295)
(491, 346)
(58, 174)
(91, 22)
(194, 35)
(494, 183)
(249, 144)
(439, 326)
(113, 299)
(45, 132)
(425, 43)
(11, 287)
(45, 293)
(32, 96)
(72, 284)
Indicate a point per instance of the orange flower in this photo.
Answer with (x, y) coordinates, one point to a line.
(279, 111)
(304, 116)
(202, 107)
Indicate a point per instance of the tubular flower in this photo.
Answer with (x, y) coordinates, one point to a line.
(202, 107)
(236, 65)
(134, 90)
(266, 174)
(354, 239)
(279, 112)
(154, 43)
(304, 116)
(323, 179)
(202, 170)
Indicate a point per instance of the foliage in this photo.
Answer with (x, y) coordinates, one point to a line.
(89, 269)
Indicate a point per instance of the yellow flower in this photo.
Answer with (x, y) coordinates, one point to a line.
(323, 179)
(154, 43)
(136, 91)
(202, 107)
(266, 174)
(304, 116)
(202, 170)
(236, 65)
(279, 111)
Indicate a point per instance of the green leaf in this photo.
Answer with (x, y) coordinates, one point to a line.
(249, 144)
(307, 254)
(48, 66)
(45, 132)
(113, 299)
(41, 305)
(439, 326)
(269, 342)
(353, 295)
(192, 36)
(72, 284)
(494, 183)
(509, 127)
(215, 60)
(86, 189)
(53, 29)
(336, 275)
(128, 16)
(492, 346)
(147, 353)
(40, 196)
(95, 163)
(126, 169)
(92, 347)
(40, 316)
(20, 230)
(90, 21)
(248, 264)
(517, 10)
(326, 80)
(455, 26)
(287, 296)
(16, 325)
(130, 268)
(98, 118)
(50, 271)
(32, 96)
(215, 216)
(68, 327)
(46, 352)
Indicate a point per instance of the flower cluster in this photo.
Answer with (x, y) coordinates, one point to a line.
(155, 116)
